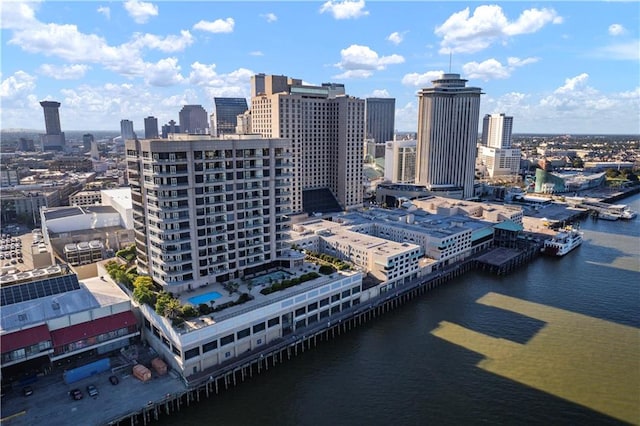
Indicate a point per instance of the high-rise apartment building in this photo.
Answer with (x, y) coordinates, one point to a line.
(496, 131)
(194, 120)
(326, 129)
(496, 156)
(209, 210)
(380, 119)
(224, 118)
(53, 139)
(400, 161)
(448, 115)
(150, 127)
(126, 130)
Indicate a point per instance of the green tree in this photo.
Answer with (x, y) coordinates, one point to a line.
(143, 280)
(172, 309)
(143, 295)
(612, 173)
(161, 302)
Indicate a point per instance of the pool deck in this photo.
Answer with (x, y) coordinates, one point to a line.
(250, 284)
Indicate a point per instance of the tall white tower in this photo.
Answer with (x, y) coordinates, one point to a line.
(496, 131)
(448, 115)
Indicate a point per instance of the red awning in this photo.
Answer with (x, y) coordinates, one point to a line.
(24, 338)
(88, 329)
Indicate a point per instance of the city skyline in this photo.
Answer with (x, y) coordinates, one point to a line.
(556, 67)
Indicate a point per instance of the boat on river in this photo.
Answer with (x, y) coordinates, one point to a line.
(563, 242)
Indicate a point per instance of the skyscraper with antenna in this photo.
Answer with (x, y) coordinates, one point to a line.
(448, 115)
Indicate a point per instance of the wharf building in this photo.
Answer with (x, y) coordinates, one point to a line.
(496, 155)
(448, 116)
(53, 139)
(326, 129)
(50, 318)
(193, 120)
(209, 210)
(386, 248)
(435, 231)
(224, 117)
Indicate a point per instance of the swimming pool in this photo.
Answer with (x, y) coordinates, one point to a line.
(204, 298)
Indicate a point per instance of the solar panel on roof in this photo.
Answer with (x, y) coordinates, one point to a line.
(37, 289)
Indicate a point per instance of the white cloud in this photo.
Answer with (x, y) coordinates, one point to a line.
(345, 9)
(16, 86)
(270, 17)
(355, 74)
(628, 51)
(256, 53)
(379, 93)
(486, 70)
(616, 29)
(104, 10)
(465, 33)
(421, 80)
(532, 20)
(140, 11)
(236, 83)
(573, 83)
(68, 43)
(358, 61)
(170, 43)
(573, 107)
(217, 26)
(165, 72)
(517, 62)
(407, 117)
(17, 15)
(493, 69)
(395, 38)
(64, 72)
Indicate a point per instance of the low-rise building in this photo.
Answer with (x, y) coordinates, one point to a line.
(48, 315)
(85, 198)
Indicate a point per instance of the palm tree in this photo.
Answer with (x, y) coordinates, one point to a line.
(172, 309)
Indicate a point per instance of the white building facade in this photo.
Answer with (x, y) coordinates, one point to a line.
(400, 161)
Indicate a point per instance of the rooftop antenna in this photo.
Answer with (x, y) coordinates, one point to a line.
(450, 54)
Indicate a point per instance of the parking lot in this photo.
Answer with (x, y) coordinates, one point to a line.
(52, 404)
(15, 249)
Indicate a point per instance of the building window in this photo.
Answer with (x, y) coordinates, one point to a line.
(227, 339)
(207, 347)
(273, 322)
(244, 333)
(192, 353)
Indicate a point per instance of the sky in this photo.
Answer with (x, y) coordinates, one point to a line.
(557, 67)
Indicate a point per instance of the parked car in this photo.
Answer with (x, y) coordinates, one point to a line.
(76, 394)
(27, 391)
(114, 380)
(92, 390)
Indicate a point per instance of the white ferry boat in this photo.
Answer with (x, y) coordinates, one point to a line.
(563, 242)
(622, 211)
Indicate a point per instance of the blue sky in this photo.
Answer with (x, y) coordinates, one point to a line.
(556, 67)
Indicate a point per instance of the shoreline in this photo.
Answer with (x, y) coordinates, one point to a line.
(165, 396)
